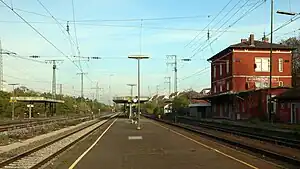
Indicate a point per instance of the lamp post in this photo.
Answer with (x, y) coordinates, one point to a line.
(271, 54)
(131, 95)
(109, 88)
(138, 57)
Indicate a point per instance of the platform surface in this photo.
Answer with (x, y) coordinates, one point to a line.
(152, 147)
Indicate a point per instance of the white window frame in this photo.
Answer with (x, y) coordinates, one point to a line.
(221, 88)
(280, 83)
(221, 69)
(280, 65)
(227, 66)
(262, 64)
(215, 71)
(227, 85)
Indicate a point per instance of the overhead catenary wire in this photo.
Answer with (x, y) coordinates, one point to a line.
(132, 26)
(57, 22)
(76, 38)
(293, 19)
(204, 29)
(232, 9)
(194, 74)
(240, 8)
(255, 6)
(117, 20)
(38, 32)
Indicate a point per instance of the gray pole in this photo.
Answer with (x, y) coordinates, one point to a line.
(131, 95)
(130, 104)
(169, 86)
(1, 68)
(81, 74)
(139, 96)
(60, 89)
(13, 100)
(175, 76)
(54, 80)
(82, 85)
(271, 53)
(13, 103)
(29, 111)
(97, 92)
(110, 89)
(169, 83)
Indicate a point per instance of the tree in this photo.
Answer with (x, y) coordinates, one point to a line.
(179, 104)
(67, 108)
(149, 107)
(294, 42)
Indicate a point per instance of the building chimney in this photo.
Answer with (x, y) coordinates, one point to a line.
(251, 40)
(243, 40)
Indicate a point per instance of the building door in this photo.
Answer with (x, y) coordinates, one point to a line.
(293, 113)
(273, 104)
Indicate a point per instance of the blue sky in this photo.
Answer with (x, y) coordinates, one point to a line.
(115, 40)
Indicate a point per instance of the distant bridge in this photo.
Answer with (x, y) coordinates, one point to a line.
(128, 99)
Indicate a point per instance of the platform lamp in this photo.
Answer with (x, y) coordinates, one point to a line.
(271, 53)
(138, 58)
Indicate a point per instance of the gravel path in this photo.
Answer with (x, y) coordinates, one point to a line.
(42, 154)
(51, 136)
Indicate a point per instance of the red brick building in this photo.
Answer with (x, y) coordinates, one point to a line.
(240, 78)
(288, 107)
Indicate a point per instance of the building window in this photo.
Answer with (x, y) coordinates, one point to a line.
(262, 64)
(215, 88)
(227, 85)
(220, 88)
(220, 69)
(215, 71)
(259, 84)
(280, 65)
(227, 66)
(280, 83)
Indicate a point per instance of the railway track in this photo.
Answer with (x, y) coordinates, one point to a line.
(38, 156)
(24, 124)
(267, 138)
(287, 160)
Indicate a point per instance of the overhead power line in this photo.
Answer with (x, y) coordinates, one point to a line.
(119, 20)
(255, 6)
(293, 19)
(240, 8)
(46, 39)
(144, 19)
(62, 28)
(194, 74)
(131, 26)
(204, 29)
